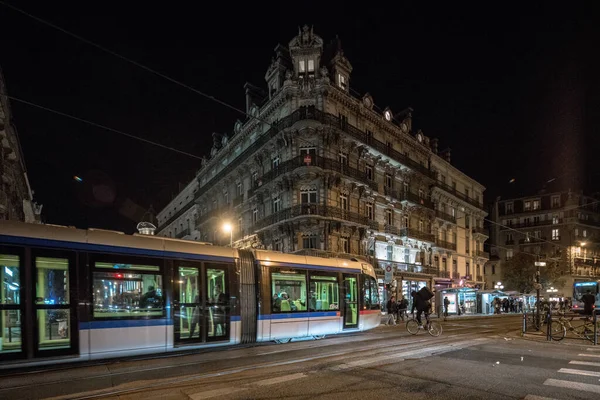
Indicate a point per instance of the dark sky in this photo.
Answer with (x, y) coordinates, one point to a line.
(513, 91)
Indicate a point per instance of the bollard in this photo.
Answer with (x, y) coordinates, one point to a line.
(524, 327)
(548, 323)
(595, 328)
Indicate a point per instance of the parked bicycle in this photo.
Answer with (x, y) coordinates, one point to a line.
(560, 326)
(433, 327)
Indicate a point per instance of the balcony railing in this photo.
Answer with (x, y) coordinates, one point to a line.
(445, 245)
(458, 194)
(455, 275)
(483, 254)
(532, 240)
(399, 267)
(444, 274)
(183, 233)
(445, 216)
(532, 224)
(417, 234)
(408, 196)
(479, 278)
(310, 209)
(480, 230)
(394, 230)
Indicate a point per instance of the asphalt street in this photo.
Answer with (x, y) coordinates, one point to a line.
(473, 359)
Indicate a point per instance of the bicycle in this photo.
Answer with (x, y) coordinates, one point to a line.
(558, 328)
(433, 327)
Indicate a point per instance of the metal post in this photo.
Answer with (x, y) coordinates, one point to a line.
(524, 329)
(549, 322)
(595, 328)
(537, 281)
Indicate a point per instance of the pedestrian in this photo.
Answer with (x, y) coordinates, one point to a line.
(391, 309)
(402, 307)
(446, 305)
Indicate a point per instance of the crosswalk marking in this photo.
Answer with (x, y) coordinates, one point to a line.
(588, 355)
(585, 387)
(592, 349)
(579, 372)
(591, 364)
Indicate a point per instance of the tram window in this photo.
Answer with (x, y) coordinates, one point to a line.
(11, 282)
(52, 284)
(10, 314)
(370, 293)
(288, 291)
(324, 293)
(127, 294)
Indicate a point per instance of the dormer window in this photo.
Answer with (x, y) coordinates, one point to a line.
(311, 68)
(342, 81)
(301, 67)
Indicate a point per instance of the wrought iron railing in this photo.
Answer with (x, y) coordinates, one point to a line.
(445, 216)
(417, 234)
(311, 209)
(445, 245)
(458, 194)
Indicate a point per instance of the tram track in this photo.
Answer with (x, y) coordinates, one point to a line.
(383, 345)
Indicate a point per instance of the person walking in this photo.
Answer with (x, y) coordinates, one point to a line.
(391, 310)
(446, 305)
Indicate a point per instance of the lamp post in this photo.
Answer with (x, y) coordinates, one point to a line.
(228, 228)
(538, 287)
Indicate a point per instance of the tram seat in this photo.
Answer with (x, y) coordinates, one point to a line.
(322, 305)
(285, 305)
(298, 305)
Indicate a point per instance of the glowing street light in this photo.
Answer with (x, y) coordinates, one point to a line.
(228, 228)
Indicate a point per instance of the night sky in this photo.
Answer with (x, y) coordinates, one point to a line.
(512, 91)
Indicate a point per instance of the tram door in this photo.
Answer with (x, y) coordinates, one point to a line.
(217, 302)
(350, 288)
(188, 309)
(54, 320)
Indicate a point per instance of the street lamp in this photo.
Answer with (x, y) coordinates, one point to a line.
(538, 287)
(228, 228)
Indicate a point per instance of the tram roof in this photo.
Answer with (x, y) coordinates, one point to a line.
(95, 239)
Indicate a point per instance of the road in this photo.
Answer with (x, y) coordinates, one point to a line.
(473, 359)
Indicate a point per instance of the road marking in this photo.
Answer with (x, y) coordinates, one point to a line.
(589, 355)
(214, 393)
(534, 397)
(592, 349)
(579, 372)
(280, 379)
(592, 364)
(586, 387)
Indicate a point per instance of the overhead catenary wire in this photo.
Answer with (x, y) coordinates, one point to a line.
(177, 82)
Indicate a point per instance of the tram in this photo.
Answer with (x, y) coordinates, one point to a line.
(70, 294)
(581, 288)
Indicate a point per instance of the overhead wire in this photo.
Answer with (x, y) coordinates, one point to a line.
(177, 82)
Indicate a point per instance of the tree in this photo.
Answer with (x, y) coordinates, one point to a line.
(520, 271)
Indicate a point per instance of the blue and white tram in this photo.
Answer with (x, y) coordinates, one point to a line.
(69, 294)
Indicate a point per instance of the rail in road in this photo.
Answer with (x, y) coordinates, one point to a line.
(339, 353)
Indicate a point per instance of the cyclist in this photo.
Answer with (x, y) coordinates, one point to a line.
(421, 305)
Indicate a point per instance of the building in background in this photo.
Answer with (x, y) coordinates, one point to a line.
(16, 196)
(561, 226)
(316, 170)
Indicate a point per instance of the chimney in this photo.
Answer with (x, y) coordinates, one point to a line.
(434, 145)
(446, 154)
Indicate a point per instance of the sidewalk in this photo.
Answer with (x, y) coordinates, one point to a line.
(464, 316)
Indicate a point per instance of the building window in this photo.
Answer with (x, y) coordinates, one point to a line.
(277, 245)
(556, 201)
(308, 196)
(302, 66)
(276, 205)
(344, 245)
(453, 212)
(344, 202)
(388, 181)
(311, 65)
(240, 189)
(555, 219)
(421, 225)
(389, 217)
(508, 208)
(509, 254)
(309, 242)
(478, 270)
(369, 137)
(584, 233)
(255, 216)
(405, 221)
(467, 195)
(342, 81)
(444, 265)
(536, 204)
(467, 269)
(527, 205)
(275, 162)
(390, 252)
(369, 211)
(493, 270)
(254, 179)
(226, 197)
(343, 158)
(555, 234)
(369, 172)
(536, 220)
(509, 238)
(405, 186)
(421, 194)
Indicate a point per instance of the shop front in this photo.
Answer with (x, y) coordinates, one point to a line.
(462, 300)
(486, 300)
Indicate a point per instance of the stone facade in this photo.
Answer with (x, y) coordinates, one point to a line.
(562, 226)
(16, 196)
(317, 170)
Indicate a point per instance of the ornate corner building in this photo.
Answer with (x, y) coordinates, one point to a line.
(316, 170)
(561, 225)
(16, 196)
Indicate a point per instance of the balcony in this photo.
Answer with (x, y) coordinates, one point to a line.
(391, 229)
(531, 224)
(417, 234)
(312, 210)
(532, 240)
(445, 216)
(408, 196)
(480, 230)
(483, 254)
(445, 245)
(458, 194)
(444, 274)
(455, 275)
(316, 161)
(183, 233)
(399, 267)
